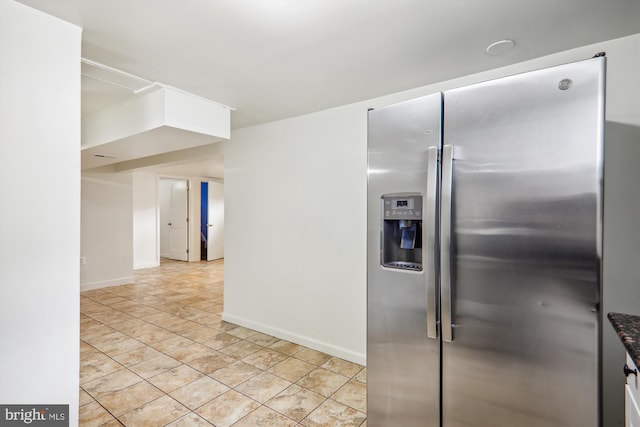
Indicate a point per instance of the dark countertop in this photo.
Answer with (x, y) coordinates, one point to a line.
(627, 327)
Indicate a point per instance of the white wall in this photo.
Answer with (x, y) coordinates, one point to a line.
(107, 231)
(295, 223)
(621, 273)
(296, 217)
(145, 220)
(39, 208)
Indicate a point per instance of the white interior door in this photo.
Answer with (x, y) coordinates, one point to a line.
(215, 222)
(178, 221)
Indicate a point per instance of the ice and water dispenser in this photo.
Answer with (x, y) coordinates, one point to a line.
(401, 237)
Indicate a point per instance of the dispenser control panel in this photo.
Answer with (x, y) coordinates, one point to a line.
(407, 207)
(401, 237)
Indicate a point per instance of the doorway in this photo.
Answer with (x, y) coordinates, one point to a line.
(211, 220)
(173, 198)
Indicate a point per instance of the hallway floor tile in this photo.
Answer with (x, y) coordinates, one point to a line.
(157, 353)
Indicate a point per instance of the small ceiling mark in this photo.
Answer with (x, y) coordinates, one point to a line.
(500, 47)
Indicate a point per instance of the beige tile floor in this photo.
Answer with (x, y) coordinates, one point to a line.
(157, 353)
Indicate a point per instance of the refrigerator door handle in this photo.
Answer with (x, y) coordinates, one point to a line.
(445, 243)
(431, 219)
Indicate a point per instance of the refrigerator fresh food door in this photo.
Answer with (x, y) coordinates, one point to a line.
(403, 359)
(520, 344)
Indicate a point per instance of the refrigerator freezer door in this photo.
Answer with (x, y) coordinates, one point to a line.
(525, 249)
(403, 363)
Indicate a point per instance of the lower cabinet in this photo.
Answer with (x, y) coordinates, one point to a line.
(632, 395)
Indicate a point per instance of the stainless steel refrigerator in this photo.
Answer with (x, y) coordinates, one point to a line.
(485, 253)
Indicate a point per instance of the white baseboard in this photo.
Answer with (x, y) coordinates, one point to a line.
(105, 283)
(322, 346)
(146, 265)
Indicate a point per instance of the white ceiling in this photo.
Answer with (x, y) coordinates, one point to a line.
(272, 59)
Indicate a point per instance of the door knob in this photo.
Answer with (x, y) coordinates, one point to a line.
(628, 371)
(169, 224)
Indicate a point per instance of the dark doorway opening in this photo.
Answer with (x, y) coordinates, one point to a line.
(204, 215)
